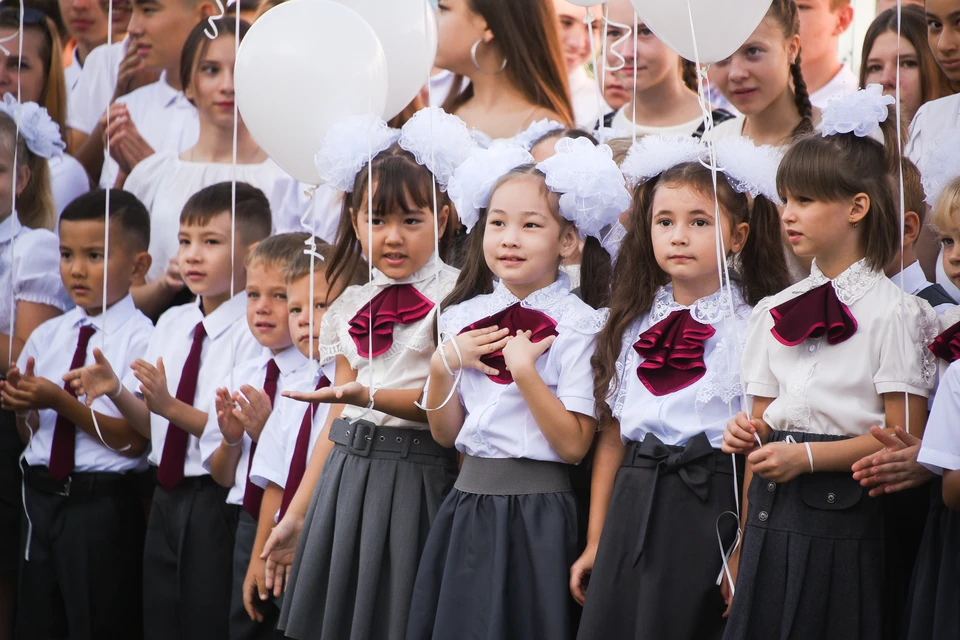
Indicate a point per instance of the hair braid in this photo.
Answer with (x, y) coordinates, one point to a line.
(802, 98)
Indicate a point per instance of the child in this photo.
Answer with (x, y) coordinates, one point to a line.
(825, 360)
(666, 379)
(190, 534)
(511, 520)
(229, 441)
(379, 455)
(80, 496)
(291, 432)
(822, 22)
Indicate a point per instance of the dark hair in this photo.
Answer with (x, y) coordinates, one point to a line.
(914, 198)
(252, 208)
(787, 16)
(760, 264)
(400, 185)
(279, 250)
(559, 134)
(125, 209)
(836, 167)
(476, 278)
(198, 43)
(526, 31)
(913, 26)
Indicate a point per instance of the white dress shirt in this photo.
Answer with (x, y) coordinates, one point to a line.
(407, 363)
(94, 89)
(915, 281)
(71, 73)
(122, 334)
(68, 180)
(498, 422)
(228, 342)
(702, 407)
(940, 450)
(840, 85)
(837, 389)
(293, 367)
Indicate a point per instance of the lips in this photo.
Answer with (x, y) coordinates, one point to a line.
(952, 65)
(80, 289)
(195, 275)
(225, 105)
(265, 326)
(81, 24)
(793, 236)
(394, 259)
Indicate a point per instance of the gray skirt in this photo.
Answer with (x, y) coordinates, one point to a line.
(356, 562)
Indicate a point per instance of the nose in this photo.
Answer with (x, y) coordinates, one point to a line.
(948, 40)
(78, 268)
(510, 237)
(787, 214)
(134, 27)
(226, 83)
(888, 78)
(393, 235)
(737, 70)
(81, 4)
(679, 235)
(263, 307)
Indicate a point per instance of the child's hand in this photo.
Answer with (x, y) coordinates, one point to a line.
(252, 410)
(230, 427)
(171, 280)
(893, 468)
(780, 461)
(352, 393)
(580, 573)
(255, 589)
(726, 587)
(95, 380)
(742, 433)
(30, 393)
(279, 552)
(521, 354)
(153, 385)
(475, 344)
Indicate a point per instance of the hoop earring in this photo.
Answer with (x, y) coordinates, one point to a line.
(473, 57)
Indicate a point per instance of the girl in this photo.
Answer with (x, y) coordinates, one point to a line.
(378, 474)
(825, 360)
(921, 79)
(575, 34)
(165, 181)
(521, 350)
(663, 91)
(666, 377)
(510, 51)
(763, 81)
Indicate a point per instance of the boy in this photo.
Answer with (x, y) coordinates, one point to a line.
(822, 22)
(80, 563)
(229, 442)
(190, 534)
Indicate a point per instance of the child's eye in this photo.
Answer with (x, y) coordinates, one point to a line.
(946, 241)
(281, 296)
(874, 68)
(294, 310)
(184, 242)
(320, 306)
(412, 221)
(94, 255)
(496, 223)
(64, 255)
(934, 25)
(664, 223)
(253, 294)
(531, 225)
(211, 241)
(754, 51)
(701, 223)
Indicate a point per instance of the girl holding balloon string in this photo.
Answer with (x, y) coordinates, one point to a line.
(376, 477)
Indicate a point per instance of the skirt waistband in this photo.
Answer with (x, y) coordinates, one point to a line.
(512, 476)
(363, 438)
(652, 452)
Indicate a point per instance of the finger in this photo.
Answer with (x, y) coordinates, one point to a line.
(758, 456)
(268, 574)
(248, 602)
(889, 441)
(476, 333)
(490, 371)
(907, 438)
(493, 347)
(544, 344)
(30, 365)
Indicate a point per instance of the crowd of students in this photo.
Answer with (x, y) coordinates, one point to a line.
(564, 350)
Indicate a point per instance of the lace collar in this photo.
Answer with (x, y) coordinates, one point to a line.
(540, 299)
(850, 286)
(707, 310)
(421, 275)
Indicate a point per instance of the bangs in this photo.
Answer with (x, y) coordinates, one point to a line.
(401, 186)
(946, 213)
(814, 167)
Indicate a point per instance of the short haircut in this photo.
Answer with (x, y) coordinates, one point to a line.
(254, 222)
(301, 266)
(946, 213)
(278, 251)
(125, 209)
(913, 196)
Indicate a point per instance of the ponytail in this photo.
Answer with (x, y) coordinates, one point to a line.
(802, 99)
(763, 266)
(595, 274)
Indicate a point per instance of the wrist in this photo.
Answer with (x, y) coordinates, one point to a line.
(114, 395)
(524, 372)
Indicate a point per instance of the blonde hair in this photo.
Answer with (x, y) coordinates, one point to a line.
(620, 148)
(946, 213)
(35, 205)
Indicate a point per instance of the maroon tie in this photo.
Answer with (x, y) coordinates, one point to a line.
(174, 454)
(298, 465)
(65, 432)
(252, 494)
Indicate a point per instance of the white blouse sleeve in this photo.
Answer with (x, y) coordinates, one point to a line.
(330, 346)
(757, 374)
(575, 386)
(906, 363)
(37, 275)
(941, 440)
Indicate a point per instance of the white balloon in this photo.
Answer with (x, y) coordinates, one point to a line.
(304, 65)
(408, 33)
(721, 26)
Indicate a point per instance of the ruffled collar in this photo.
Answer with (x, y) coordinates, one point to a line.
(540, 299)
(707, 310)
(850, 286)
(421, 275)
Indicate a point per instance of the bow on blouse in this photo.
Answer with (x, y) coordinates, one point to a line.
(373, 324)
(811, 315)
(516, 317)
(946, 346)
(672, 351)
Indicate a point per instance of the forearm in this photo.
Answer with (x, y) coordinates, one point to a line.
(152, 298)
(223, 463)
(269, 505)
(567, 435)
(839, 455)
(301, 500)
(90, 153)
(445, 422)
(188, 418)
(116, 433)
(134, 410)
(951, 489)
(9, 358)
(606, 463)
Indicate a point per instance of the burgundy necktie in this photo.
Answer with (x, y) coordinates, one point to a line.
(252, 494)
(298, 464)
(65, 432)
(170, 472)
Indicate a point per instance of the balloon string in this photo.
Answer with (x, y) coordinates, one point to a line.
(903, 220)
(588, 20)
(15, 222)
(633, 100)
(212, 31)
(616, 43)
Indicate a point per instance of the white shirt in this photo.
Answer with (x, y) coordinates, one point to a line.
(914, 281)
(440, 85)
(228, 341)
(836, 389)
(165, 119)
(702, 407)
(163, 183)
(586, 98)
(71, 73)
(30, 268)
(407, 363)
(621, 122)
(68, 180)
(840, 85)
(278, 440)
(498, 422)
(94, 89)
(293, 367)
(940, 450)
(122, 333)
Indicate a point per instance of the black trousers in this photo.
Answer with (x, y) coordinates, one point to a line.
(82, 580)
(241, 626)
(187, 562)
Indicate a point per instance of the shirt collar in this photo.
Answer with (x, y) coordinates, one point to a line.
(539, 299)
(289, 360)
(168, 96)
(109, 321)
(707, 310)
(226, 314)
(850, 286)
(913, 278)
(423, 274)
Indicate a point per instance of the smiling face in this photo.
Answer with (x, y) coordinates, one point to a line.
(882, 70)
(212, 87)
(267, 306)
(300, 311)
(400, 242)
(204, 260)
(943, 34)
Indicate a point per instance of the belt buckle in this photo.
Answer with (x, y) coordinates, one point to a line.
(65, 492)
(361, 440)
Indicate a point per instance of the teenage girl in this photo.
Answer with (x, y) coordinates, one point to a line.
(825, 360)
(376, 477)
(519, 345)
(667, 375)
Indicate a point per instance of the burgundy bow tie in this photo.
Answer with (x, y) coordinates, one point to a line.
(399, 303)
(946, 346)
(516, 317)
(672, 352)
(811, 315)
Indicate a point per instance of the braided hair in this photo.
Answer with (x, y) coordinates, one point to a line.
(787, 16)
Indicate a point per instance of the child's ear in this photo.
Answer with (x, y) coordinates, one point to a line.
(442, 217)
(859, 208)
(206, 9)
(141, 265)
(738, 237)
(911, 227)
(569, 241)
(23, 178)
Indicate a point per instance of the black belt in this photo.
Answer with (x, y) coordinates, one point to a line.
(361, 438)
(80, 484)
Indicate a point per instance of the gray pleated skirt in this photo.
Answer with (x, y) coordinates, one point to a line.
(362, 537)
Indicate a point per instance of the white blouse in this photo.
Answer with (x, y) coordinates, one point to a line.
(407, 363)
(498, 422)
(837, 389)
(941, 440)
(164, 183)
(706, 405)
(68, 180)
